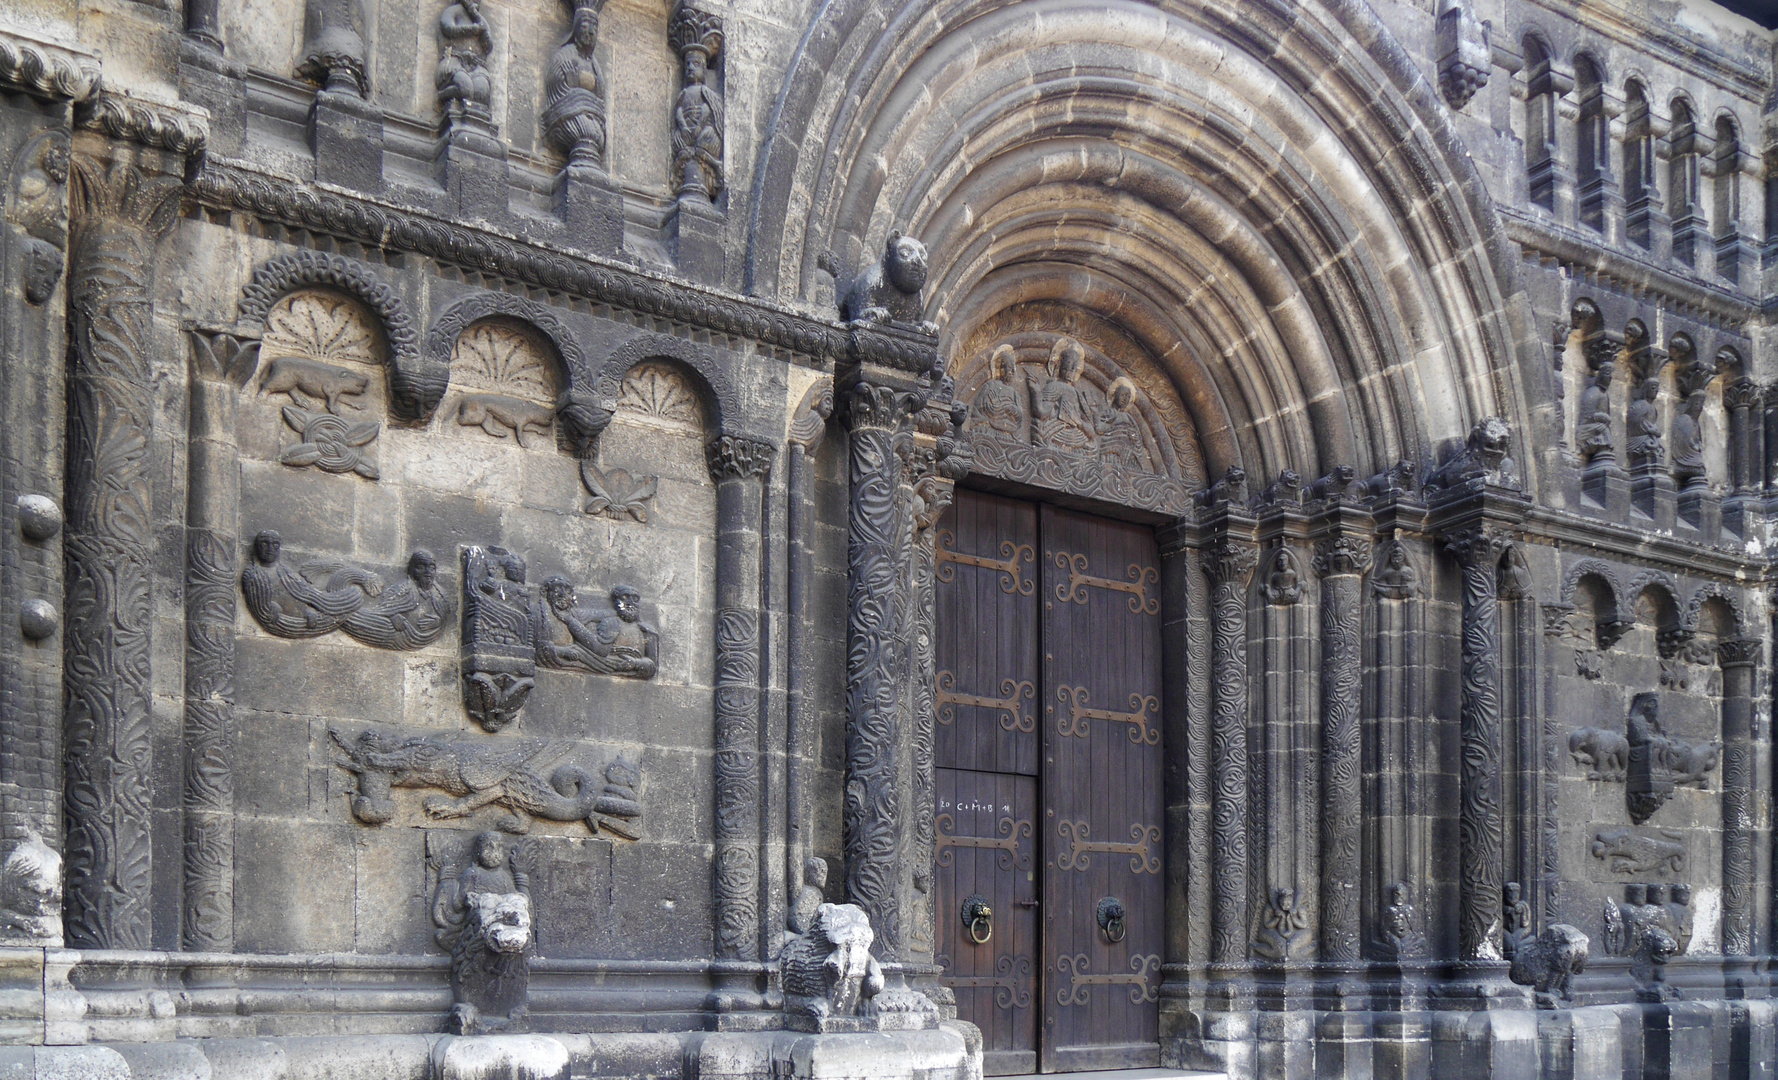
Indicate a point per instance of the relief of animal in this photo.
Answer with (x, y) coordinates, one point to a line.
(1627, 851)
(1692, 762)
(1604, 754)
(497, 414)
(320, 382)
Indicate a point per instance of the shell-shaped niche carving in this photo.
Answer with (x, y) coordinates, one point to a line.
(660, 394)
(323, 355)
(1062, 400)
(505, 376)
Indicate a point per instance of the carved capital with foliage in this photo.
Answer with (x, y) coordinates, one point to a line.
(873, 405)
(1477, 545)
(1739, 652)
(1342, 554)
(1231, 560)
(738, 457)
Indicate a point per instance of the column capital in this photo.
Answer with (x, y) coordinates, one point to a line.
(1344, 553)
(738, 456)
(1477, 543)
(1739, 652)
(867, 403)
(1230, 559)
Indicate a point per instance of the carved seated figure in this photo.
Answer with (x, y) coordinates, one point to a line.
(484, 919)
(607, 641)
(829, 973)
(997, 408)
(1120, 439)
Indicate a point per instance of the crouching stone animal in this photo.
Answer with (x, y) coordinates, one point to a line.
(1547, 962)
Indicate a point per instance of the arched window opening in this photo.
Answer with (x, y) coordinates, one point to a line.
(1726, 189)
(1642, 194)
(1593, 177)
(1686, 145)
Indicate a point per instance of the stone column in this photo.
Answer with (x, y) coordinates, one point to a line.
(1770, 462)
(878, 415)
(1745, 460)
(1229, 563)
(738, 465)
(1340, 560)
(1739, 659)
(808, 429)
(1477, 548)
(122, 205)
(221, 365)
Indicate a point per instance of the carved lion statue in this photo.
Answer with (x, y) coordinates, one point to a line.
(829, 971)
(1547, 962)
(890, 290)
(490, 964)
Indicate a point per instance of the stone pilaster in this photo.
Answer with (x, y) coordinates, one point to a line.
(123, 201)
(220, 366)
(1229, 562)
(1740, 660)
(1340, 560)
(808, 429)
(738, 465)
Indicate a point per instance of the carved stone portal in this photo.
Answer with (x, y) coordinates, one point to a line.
(510, 775)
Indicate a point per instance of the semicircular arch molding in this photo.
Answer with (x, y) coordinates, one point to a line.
(716, 391)
(1308, 226)
(416, 383)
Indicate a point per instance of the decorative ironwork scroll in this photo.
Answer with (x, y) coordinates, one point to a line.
(1076, 970)
(1143, 710)
(1074, 590)
(1011, 981)
(1012, 716)
(1077, 856)
(1011, 832)
(1011, 555)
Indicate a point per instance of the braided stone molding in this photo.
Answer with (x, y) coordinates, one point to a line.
(416, 383)
(176, 129)
(299, 206)
(47, 71)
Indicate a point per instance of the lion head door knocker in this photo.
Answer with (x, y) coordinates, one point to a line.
(1111, 918)
(978, 919)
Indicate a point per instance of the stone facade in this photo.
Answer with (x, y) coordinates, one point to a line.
(473, 493)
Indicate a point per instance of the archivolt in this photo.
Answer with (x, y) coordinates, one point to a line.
(1275, 207)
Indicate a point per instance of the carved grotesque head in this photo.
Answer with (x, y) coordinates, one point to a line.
(1512, 893)
(490, 850)
(1603, 376)
(1123, 394)
(846, 924)
(31, 879)
(43, 268)
(559, 592)
(1681, 894)
(1067, 360)
(266, 547)
(1004, 363)
(502, 920)
(1489, 439)
(815, 872)
(904, 262)
(585, 31)
(627, 602)
(423, 568)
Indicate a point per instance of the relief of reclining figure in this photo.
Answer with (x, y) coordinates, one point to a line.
(326, 595)
(605, 640)
(504, 774)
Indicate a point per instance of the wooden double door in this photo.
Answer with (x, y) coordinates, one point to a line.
(1049, 783)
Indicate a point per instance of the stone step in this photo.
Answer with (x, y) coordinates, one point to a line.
(1124, 1074)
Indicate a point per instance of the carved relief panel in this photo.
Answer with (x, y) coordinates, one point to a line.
(505, 383)
(323, 363)
(1059, 401)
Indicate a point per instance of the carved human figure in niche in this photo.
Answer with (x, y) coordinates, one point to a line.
(1516, 918)
(463, 83)
(1688, 443)
(1120, 439)
(607, 641)
(1592, 431)
(697, 115)
(483, 917)
(997, 405)
(1062, 415)
(1283, 584)
(1644, 424)
(1284, 928)
(574, 103)
(1400, 937)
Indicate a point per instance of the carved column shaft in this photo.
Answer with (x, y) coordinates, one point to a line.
(1480, 823)
(1745, 455)
(738, 465)
(876, 661)
(220, 364)
(1739, 659)
(1340, 561)
(1228, 564)
(109, 536)
(931, 494)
